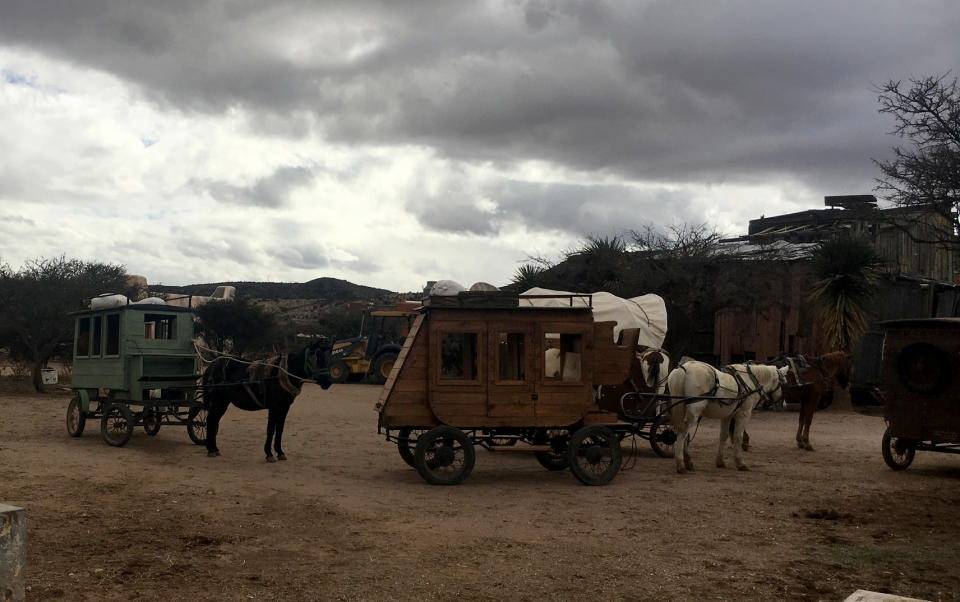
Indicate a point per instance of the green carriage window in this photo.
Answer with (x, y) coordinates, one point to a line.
(113, 335)
(562, 356)
(83, 337)
(458, 356)
(510, 356)
(97, 336)
(158, 326)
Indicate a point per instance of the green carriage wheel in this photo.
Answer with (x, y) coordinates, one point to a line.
(75, 418)
(197, 425)
(116, 426)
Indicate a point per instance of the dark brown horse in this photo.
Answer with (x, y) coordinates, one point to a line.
(808, 380)
(270, 385)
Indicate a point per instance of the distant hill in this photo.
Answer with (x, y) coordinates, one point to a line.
(329, 289)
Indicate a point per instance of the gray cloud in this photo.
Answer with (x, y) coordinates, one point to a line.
(653, 90)
(583, 210)
(270, 191)
(300, 256)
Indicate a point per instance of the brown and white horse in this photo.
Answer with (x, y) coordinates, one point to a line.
(810, 381)
(730, 395)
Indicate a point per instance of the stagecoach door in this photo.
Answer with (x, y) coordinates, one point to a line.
(512, 369)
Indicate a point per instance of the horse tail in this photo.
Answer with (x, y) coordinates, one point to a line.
(675, 385)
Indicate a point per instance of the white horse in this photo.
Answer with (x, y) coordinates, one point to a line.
(735, 391)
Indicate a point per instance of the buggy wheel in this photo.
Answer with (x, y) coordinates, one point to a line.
(662, 437)
(383, 366)
(407, 444)
(151, 422)
(339, 372)
(556, 457)
(197, 425)
(75, 418)
(444, 456)
(595, 455)
(116, 426)
(552, 460)
(897, 452)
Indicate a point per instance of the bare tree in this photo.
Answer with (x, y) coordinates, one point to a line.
(35, 300)
(925, 171)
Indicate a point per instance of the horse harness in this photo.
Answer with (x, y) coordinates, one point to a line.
(743, 390)
(260, 372)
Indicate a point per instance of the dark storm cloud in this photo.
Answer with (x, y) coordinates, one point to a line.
(271, 191)
(584, 210)
(659, 90)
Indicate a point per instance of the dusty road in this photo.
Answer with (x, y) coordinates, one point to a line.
(345, 518)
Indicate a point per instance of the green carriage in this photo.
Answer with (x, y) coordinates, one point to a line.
(134, 364)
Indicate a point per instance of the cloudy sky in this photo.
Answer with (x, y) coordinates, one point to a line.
(391, 143)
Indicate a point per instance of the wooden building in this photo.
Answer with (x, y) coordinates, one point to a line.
(920, 275)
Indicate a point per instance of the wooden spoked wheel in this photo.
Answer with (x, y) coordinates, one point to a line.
(197, 425)
(75, 418)
(444, 456)
(595, 455)
(407, 443)
(151, 422)
(556, 457)
(116, 426)
(662, 437)
(898, 452)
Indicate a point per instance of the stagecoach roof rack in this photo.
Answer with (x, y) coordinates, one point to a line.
(505, 300)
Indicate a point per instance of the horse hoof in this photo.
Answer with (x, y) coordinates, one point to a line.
(742, 467)
(271, 459)
(213, 454)
(721, 465)
(681, 470)
(281, 457)
(808, 447)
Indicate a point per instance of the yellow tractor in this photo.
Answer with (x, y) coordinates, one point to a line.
(373, 354)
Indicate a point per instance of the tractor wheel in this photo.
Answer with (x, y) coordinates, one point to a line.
(383, 366)
(339, 371)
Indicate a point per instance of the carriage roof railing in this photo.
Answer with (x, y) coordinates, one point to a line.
(506, 300)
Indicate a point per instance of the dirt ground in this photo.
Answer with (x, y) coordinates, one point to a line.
(345, 518)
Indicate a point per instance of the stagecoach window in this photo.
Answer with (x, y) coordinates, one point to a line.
(458, 356)
(83, 337)
(97, 336)
(113, 335)
(158, 326)
(510, 356)
(562, 357)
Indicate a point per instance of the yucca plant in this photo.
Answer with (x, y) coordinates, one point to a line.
(847, 273)
(528, 276)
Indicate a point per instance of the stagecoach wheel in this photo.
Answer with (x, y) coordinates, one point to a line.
(339, 372)
(75, 418)
(897, 452)
(595, 455)
(116, 426)
(444, 456)
(197, 425)
(662, 437)
(151, 422)
(556, 458)
(407, 444)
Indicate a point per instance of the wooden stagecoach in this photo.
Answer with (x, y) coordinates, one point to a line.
(134, 364)
(921, 388)
(480, 368)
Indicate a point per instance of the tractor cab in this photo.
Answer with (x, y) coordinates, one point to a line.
(375, 352)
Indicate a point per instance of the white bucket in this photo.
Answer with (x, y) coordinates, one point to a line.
(49, 376)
